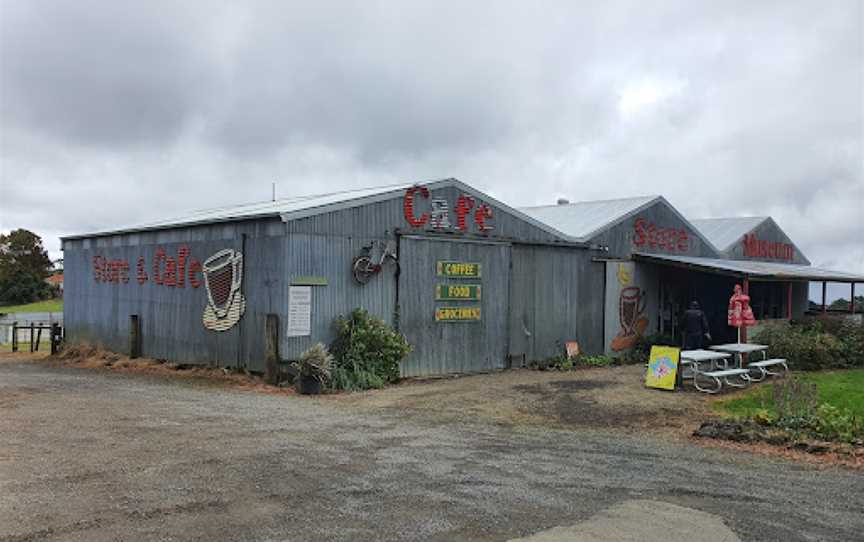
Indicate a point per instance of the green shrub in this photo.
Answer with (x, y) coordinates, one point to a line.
(833, 423)
(806, 347)
(601, 360)
(367, 352)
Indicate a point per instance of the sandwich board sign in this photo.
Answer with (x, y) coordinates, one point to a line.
(662, 367)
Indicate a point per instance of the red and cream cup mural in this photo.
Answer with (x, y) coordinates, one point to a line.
(223, 276)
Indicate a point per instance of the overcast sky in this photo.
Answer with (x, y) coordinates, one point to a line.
(114, 113)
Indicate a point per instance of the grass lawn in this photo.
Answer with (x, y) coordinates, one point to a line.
(51, 305)
(842, 389)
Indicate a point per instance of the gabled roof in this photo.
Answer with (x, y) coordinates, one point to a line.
(305, 206)
(725, 232)
(585, 219)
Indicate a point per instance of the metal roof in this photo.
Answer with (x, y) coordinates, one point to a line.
(725, 232)
(584, 219)
(766, 270)
(305, 206)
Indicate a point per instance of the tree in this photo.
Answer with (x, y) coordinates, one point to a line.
(24, 266)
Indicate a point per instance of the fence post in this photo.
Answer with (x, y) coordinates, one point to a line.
(55, 338)
(31, 336)
(14, 336)
(134, 336)
(271, 349)
(38, 338)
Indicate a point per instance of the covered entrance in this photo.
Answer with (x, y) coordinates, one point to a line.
(453, 304)
(777, 291)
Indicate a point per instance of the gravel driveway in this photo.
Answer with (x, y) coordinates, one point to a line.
(95, 455)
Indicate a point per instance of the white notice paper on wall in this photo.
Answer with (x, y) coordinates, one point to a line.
(299, 311)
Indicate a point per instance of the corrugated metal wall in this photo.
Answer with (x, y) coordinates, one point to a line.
(324, 246)
(555, 296)
(388, 216)
(620, 238)
(768, 231)
(452, 347)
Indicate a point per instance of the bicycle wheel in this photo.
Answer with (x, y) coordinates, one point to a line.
(362, 269)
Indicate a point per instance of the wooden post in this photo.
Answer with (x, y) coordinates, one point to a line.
(55, 338)
(31, 337)
(14, 336)
(134, 337)
(271, 349)
(852, 300)
(788, 300)
(38, 338)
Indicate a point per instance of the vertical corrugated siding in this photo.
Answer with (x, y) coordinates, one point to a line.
(619, 238)
(275, 254)
(768, 231)
(555, 296)
(383, 218)
(452, 347)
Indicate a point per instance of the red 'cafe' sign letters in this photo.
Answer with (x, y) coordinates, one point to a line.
(435, 212)
(669, 239)
(759, 248)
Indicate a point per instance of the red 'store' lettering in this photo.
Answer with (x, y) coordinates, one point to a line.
(669, 239)
(167, 270)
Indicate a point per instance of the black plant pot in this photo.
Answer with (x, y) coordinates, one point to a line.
(309, 385)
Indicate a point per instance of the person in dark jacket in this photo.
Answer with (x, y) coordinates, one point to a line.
(695, 327)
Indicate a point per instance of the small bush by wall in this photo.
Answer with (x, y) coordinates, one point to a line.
(366, 352)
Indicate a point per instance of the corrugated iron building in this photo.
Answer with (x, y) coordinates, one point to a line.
(478, 286)
(536, 284)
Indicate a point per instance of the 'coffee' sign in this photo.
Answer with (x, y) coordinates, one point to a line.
(423, 210)
(760, 248)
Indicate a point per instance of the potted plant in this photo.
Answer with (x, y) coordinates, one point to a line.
(313, 368)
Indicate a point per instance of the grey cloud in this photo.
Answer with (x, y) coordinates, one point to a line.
(100, 73)
(737, 107)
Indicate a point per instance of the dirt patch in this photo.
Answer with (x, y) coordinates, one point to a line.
(92, 357)
(612, 397)
(850, 457)
(563, 385)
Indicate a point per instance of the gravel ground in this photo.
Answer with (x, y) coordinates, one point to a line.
(95, 455)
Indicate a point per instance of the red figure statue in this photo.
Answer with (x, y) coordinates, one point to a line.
(740, 313)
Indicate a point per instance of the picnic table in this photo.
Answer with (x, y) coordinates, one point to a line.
(739, 349)
(694, 357)
(719, 377)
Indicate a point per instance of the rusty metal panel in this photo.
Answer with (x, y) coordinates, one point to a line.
(442, 347)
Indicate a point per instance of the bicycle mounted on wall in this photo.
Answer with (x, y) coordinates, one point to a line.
(372, 259)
